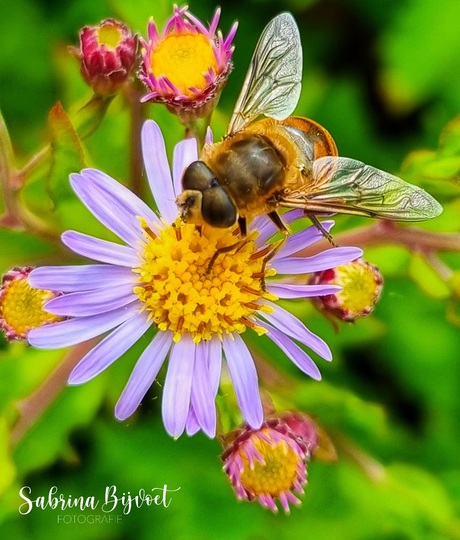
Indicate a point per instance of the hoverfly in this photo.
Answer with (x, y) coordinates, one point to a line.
(284, 161)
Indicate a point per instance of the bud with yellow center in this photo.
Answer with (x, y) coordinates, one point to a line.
(361, 284)
(21, 306)
(269, 463)
(187, 65)
(108, 56)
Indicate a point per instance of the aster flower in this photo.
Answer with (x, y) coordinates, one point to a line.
(21, 306)
(269, 464)
(162, 279)
(187, 65)
(107, 54)
(360, 284)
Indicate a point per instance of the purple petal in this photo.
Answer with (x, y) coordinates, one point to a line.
(298, 356)
(110, 349)
(214, 359)
(322, 261)
(289, 290)
(184, 153)
(100, 250)
(80, 278)
(267, 228)
(73, 331)
(143, 375)
(113, 204)
(202, 393)
(244, 377)
(178, 386)
(192, 425)
(303, 239)
(209, 138)
(83, 304)
(290, 325)
(157, 169)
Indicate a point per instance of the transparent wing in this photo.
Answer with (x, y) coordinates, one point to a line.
(348, 186)
(273, 82)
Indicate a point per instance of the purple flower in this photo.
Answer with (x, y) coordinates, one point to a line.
(161, 278)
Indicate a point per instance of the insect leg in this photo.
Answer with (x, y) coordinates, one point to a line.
(225, 249)
(243, 226)
(318, 225)
(274, 216)
(276, 246)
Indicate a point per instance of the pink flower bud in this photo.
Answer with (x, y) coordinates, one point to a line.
(108, 55)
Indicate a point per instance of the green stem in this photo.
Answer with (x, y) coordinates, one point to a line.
(385, 232)
(133, 95)
(33, 407)
(6, 168)
(35, 161)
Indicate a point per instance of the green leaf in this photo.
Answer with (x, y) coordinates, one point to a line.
(66, 155)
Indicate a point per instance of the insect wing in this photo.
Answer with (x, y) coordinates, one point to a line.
(348, 186)
(273, 82)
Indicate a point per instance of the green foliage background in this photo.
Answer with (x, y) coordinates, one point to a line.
(384, 78)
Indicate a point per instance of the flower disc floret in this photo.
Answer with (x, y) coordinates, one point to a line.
(21, 306)
(185, 290)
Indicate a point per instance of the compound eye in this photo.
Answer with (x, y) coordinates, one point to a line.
(218, 209)
(198, 176)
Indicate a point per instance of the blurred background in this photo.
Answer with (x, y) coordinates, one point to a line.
(384, 79)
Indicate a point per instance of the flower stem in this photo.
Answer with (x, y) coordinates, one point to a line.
(34, 162)
(133, 94)
(32, 408)
(387, 232)
(6, 168)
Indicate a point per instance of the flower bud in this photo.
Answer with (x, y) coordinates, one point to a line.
(187, 65)
(21, 306)
(107, 55)
(361, 284)
(269, 463)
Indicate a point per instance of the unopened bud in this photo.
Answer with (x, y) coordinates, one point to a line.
(107, 54)
(361, 284)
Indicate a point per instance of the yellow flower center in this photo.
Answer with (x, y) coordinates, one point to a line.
(183, 59)
(109, 35)
(202, 283)
(360, 289)
(21, 307)
(277, 474)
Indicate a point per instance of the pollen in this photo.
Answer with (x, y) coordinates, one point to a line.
(21, 306)
(184, 59)
(272, 466)
(204, 283)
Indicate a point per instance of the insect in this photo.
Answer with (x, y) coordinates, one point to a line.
(284, 161)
